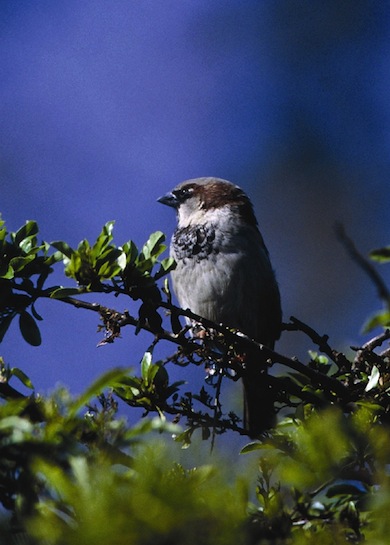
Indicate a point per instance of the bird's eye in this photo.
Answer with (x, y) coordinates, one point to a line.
(184, 193)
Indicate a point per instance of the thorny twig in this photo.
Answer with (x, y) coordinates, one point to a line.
(238, 338)
(320, 340)
(368, 348)
(367, 266)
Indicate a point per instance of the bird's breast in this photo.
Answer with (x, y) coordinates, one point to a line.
(207, 272)
(195, 243)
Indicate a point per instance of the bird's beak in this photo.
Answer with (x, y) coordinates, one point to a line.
(169, 199)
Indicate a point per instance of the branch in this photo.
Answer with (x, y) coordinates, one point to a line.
(330, 383)
(121, 318)
(369, 347)
(376, 341)
(367, 266)
(238, 338)
(199, 420)
(320, 340)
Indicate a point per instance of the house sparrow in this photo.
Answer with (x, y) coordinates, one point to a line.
(224, 274)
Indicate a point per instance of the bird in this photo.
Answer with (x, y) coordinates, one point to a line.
(223, 273)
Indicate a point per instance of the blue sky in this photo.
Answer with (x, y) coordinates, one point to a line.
(106, 105)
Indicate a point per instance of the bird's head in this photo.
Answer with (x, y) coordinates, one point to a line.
(209, 200)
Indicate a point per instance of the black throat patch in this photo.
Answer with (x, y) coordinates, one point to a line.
(194, 242)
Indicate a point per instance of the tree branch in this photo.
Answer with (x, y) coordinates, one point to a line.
(236, 337)
(320, 340)
(369, 347)
(367, 266)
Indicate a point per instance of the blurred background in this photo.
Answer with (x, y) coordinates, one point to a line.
(105, 106)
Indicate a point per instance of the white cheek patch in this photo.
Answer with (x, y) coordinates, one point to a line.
(194, 216)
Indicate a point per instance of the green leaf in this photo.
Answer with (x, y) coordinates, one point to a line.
(381, 255)
(29, 329)
(131, 251)
(251, 447)
(6, 271)
(318, 358)
(3, 232)
(109, 254)
(372, 407)
(30, 229)
(153, 247)
(103, 239)
(122, 261)
(54, 258)
(144, 265)
(63, 247)
(35, 313)
(107, 264)
(166, 266)
(74, 265)
(380, 319)
(109, 270)
(84, 247)
(157, 371)
(5, 322)
(28, 245)
(109, 379)
(60, 293)
(185, 438)
(128, 387)
(373, 379)
(18, 263)
(24, 379)
(317, 392)
(172, 388)
(145, 365)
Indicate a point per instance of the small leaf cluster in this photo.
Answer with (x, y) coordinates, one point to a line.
(130, 270)
(90, 264)
(320, 474)
(25, 265)
(151, 390)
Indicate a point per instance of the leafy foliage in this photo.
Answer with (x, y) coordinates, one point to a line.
(24, 268)
(73, 471)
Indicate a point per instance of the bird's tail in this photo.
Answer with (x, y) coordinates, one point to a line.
(259, 412)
